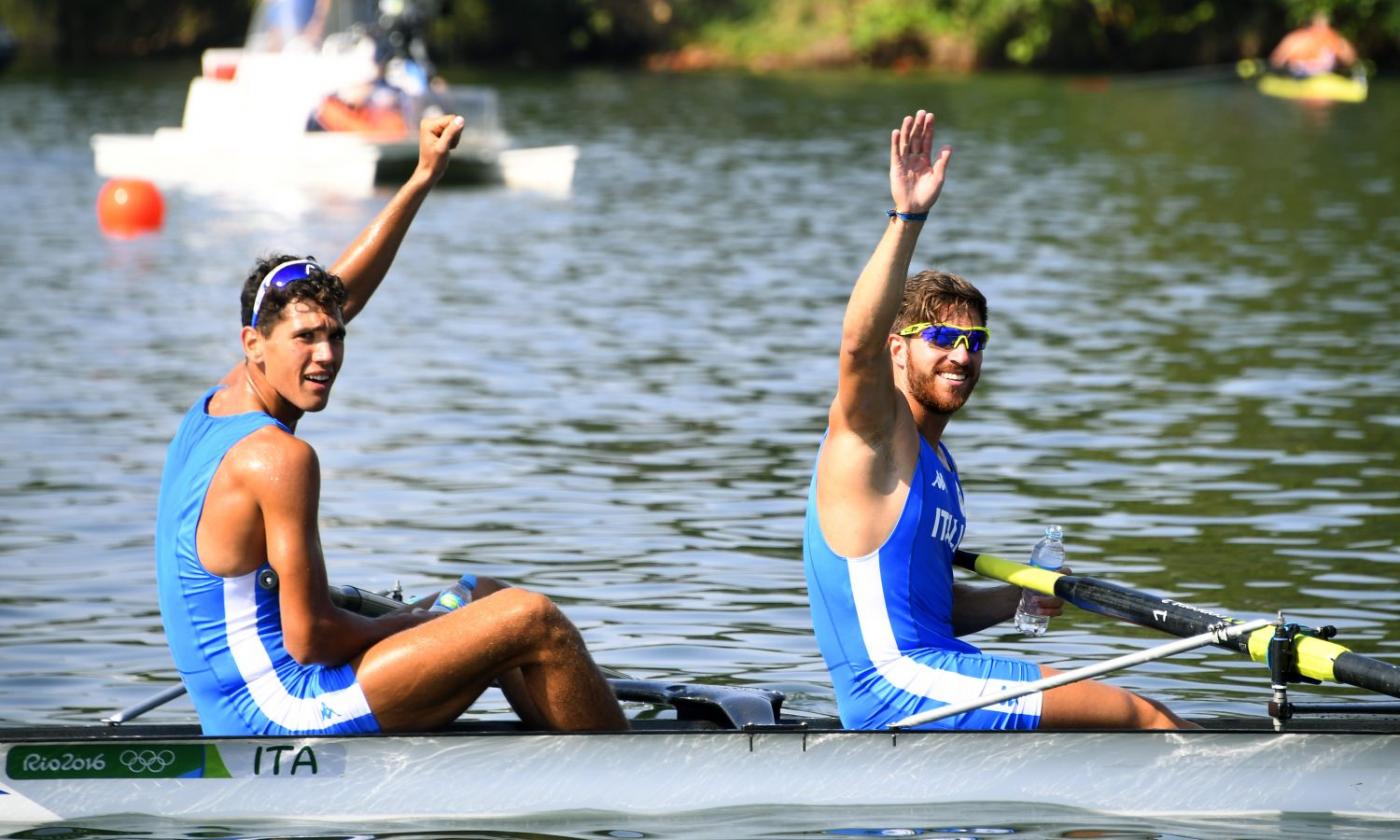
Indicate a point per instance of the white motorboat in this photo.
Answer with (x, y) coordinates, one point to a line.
(332, 108)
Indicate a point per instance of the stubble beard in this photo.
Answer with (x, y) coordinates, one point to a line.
(924, 388)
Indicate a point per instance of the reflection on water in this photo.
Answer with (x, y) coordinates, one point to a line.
(616, 398)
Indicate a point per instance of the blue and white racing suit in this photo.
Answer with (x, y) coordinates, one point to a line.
(225, 633)
(884, 621)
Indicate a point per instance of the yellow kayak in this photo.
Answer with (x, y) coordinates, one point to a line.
(1328, 87)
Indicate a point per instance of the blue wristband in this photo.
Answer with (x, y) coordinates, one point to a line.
(908, 217)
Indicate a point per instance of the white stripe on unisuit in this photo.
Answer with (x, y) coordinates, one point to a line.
(903, 672)
(266, 688)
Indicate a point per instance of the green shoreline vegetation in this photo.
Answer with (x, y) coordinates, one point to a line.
(754, 34)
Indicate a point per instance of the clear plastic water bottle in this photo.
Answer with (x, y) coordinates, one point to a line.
(457, 595)
(1048, 553)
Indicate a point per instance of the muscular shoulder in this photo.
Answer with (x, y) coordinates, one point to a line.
(272, 459)
(862, 487)
(266, 480)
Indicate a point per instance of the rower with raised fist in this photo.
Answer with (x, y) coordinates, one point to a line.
(239, 498)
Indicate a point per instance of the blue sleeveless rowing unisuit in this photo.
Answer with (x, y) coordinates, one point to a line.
(884, 621)
(225, 633)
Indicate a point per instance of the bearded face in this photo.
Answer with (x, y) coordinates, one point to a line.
(942, 378)
(943, 385)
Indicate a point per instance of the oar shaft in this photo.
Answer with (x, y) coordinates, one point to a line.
(1101, 596)
(144, 706)
(1171, 617)
(1317, 659)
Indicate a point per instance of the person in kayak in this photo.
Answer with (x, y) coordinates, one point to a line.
(885, 505)
(238, 508)
(1312, 50)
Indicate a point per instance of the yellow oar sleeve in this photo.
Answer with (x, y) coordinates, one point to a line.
(1019, 574)
(1315, 656)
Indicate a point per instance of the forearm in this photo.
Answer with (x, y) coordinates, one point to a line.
(875, 300)
(916, 179)
(340, 635)
(363, 265)
(976, 608)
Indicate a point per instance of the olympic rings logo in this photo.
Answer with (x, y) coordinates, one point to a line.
(146, 761)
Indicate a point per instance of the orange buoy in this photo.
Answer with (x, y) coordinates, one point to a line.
(129, 207)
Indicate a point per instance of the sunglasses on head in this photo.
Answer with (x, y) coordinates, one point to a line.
(949, 336)
(282, 276)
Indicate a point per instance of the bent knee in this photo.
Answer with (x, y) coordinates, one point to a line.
(535, 612)
(529, 622)
(524, 600)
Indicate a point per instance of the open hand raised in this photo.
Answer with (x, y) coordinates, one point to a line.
(916, 177)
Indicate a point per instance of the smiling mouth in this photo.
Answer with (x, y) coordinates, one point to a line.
(952, 376)
(320, 378)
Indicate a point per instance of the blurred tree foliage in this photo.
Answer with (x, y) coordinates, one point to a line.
(78, 30)
(1126, 34)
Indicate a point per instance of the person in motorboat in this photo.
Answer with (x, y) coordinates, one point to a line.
(239, 568)
(374, 106)
(395, 88)
(1313, 50)
(295, 25)
(373, 109)
(885, 505)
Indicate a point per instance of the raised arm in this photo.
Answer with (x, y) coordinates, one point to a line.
(363, 265)
(866, 399)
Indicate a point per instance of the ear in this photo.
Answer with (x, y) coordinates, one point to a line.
(252, 341)
(899, 352)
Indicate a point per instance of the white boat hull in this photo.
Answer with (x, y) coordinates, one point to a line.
(328, 163)
(335, 164)
(503, 774)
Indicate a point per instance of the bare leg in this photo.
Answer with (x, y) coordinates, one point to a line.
(512, 682)
(1093, 705)
(424, 677)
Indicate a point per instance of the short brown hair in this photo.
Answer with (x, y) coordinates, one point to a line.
(930, 295)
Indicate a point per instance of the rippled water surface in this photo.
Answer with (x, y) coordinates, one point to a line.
(615, 398)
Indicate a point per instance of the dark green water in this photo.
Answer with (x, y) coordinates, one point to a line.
(615, 398)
